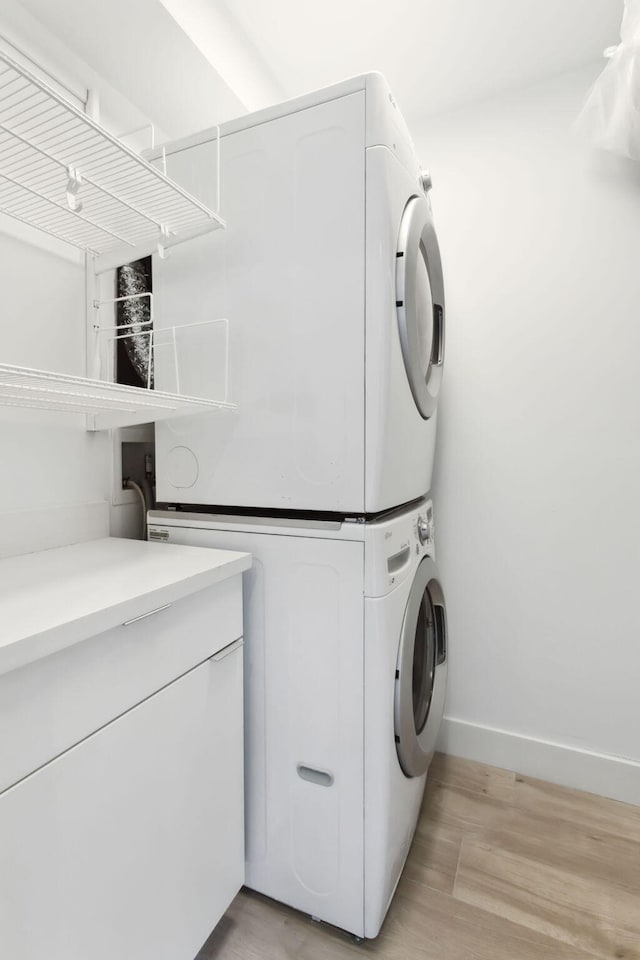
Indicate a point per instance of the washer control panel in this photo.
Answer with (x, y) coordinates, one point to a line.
(395, 546)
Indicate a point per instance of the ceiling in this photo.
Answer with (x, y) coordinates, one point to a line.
(186, 64)
(140, 50)
(436, 54)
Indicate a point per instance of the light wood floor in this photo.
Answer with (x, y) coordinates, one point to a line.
(503, 867)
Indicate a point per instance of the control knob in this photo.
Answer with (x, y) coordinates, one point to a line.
(425, 180)
(423, 530)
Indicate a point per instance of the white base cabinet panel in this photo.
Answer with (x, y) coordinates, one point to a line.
(129, 846)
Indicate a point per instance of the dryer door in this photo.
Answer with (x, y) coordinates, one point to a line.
(421, 672)
(420, 304)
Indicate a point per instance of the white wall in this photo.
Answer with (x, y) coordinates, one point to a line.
(55, 477)
(537, 482)
(140, 55)
(48, 462)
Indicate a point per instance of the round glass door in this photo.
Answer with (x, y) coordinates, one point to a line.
(420, 304)
(421, 672)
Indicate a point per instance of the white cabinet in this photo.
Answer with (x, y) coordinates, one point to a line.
(121, 750)
(51, 704)
(130, 845)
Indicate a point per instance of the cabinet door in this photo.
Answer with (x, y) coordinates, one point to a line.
(130, 845)
(52, 704)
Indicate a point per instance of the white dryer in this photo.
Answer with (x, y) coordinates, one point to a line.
(329, 273)
(345, 669)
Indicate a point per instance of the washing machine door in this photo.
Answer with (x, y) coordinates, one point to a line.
(421, 672)
(420, 304)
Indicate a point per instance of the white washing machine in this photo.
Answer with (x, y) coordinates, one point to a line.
(329, 273)
(345, 667)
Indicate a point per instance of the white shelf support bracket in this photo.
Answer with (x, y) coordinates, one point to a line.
(74, 182)
(165, 233)
(92, 108)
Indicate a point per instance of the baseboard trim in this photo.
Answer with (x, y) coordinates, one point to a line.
(606, 775)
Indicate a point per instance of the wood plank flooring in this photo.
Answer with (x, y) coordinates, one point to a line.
(503, 867)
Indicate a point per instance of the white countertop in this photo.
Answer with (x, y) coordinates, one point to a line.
(55, 598)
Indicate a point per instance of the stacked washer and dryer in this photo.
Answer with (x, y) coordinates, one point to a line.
(330, 273)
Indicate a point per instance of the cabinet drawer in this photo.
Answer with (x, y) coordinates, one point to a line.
(52, 704)
(130, 845)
